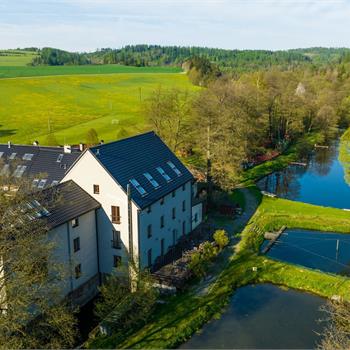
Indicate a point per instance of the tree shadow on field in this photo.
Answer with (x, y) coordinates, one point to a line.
(7, 132)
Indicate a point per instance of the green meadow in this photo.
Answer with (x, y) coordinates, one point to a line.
(68, 106)
(15, 58)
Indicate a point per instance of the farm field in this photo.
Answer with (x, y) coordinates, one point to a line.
(15, 58)
(68, 106)
(11, 71)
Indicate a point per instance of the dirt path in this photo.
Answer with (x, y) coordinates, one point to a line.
(236, 226)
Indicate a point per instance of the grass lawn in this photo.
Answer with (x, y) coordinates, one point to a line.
(71, 105)
(10, 71)
(174, 322)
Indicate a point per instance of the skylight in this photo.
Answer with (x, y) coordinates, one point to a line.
(1, 154)
(42, 183)
(35, 182)
(5, 169)
(54, 183)
(174, 168)
(139, 188)
(164, 174)
(150, 178)
(28, 156)
(59, 158)
(12, 156)
(19, 170)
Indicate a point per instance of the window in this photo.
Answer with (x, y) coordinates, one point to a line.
(42, 183)
(183, 228)
(162, 221)
(76, 244)
(12, 156)
(28, 156)
(75, 222)
(148, 209)
(117, 260)
(150, 178)
(59, 158)
(183, 205)
(174, 168)
(35, 182)
(115, 214)
(96, 189)
(138, 187)
(19, 170)
(164, 174)
(116, 240)
(149, 231)
(173, 194)
(1, 154)
(54, 182)
(77, 271)
(162, 201)
(173, 213)
(196, 217)
(183, 187)
(149, 257)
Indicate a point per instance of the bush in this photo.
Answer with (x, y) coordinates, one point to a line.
(221, 238)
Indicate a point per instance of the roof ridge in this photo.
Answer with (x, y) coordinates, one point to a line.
(124, 139)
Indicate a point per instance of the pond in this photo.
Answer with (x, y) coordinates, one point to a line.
(320, 182)
(264, 317)
(314, 249)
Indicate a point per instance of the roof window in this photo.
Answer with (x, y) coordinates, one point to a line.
(164, 174)
(150, 178)
(174, 168)
(138, 187)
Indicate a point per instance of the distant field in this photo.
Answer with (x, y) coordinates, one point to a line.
(71, 105)
(11, 58)
(10, 71)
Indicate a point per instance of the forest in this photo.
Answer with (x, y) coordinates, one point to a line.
(227, 60)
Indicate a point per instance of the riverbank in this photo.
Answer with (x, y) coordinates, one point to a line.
(174, 322)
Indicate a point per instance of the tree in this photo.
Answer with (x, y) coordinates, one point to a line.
(169, 112)
(121, 309)
(32, 312)
(92, 137)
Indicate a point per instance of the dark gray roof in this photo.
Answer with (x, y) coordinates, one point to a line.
(132, 157)
(43, 161)
(67, 201)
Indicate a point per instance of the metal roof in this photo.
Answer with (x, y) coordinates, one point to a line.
(66, 202)
(38, 161)
(131, 158)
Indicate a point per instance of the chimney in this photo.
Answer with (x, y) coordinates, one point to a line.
(67, 149)
(9, 144)
(82, 147)
(36, 143)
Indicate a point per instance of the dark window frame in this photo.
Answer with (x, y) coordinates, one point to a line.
(76, 244)
(75, 222)
(115, 214)
(78, 271)
(96, 189)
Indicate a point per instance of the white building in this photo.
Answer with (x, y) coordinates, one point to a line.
(132, 196)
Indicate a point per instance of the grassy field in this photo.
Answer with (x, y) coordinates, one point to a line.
(174, 322)
(15, 58)
(71, 105)
(10, 71)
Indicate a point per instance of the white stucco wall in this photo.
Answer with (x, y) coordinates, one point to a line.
(197, 210)
(87, 172)
(63, 236)
(153, 218)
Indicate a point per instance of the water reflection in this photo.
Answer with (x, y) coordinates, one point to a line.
(320, 182)
(264, 317)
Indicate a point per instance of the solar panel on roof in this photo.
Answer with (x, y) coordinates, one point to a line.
(12, 156)
(59, 158)
(5, 170)
(1, 154)
(42, 183)
(138, 187)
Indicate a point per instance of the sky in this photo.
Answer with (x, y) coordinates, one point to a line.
(86, 25)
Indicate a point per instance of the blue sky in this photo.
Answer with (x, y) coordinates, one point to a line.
(84, 25)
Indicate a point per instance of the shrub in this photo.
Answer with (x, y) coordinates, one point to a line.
(221, 238)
